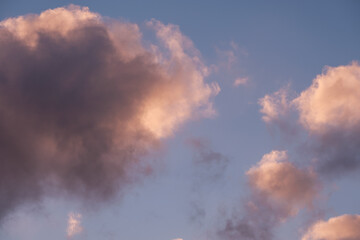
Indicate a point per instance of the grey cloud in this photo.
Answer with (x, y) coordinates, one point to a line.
(213, 164)
(82, 102)
(208, 176)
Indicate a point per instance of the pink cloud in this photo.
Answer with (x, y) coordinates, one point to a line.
(74, 225)
(275, 106)
(332, 100)
(345, 227)
(282, 182)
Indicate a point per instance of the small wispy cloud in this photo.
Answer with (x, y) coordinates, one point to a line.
(74, 225)
(228, 57)
(240, 81)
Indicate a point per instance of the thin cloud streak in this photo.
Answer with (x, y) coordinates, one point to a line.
(241, 81)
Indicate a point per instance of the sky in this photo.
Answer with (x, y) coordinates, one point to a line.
(179, 120)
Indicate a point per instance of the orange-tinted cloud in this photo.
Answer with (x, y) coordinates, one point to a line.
(345, 227)
(82, 100)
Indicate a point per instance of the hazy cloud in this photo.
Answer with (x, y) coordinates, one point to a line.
(229, 64)
(228, 57)
(345, 227)
(208, 171)
(82, 100)
(213, 164)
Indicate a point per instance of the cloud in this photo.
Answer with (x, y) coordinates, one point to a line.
(82, 101)
(228, 64)
(279, 190)
(275, 106)
(327, 110)
(276, 178)
(240, 81)
(229, 57)
(345, 227)
(74, 225)
(208, 175)
(212, 164)
(332, 100)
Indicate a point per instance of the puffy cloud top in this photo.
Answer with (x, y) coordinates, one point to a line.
(332, 101)
(345, 227)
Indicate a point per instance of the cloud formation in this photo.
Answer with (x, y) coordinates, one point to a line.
(82, 100)
(345, 227)
(279, 190)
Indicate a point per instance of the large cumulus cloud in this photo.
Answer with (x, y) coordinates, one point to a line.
(82, 100)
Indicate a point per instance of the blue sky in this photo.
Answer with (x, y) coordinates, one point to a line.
(272, 45)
